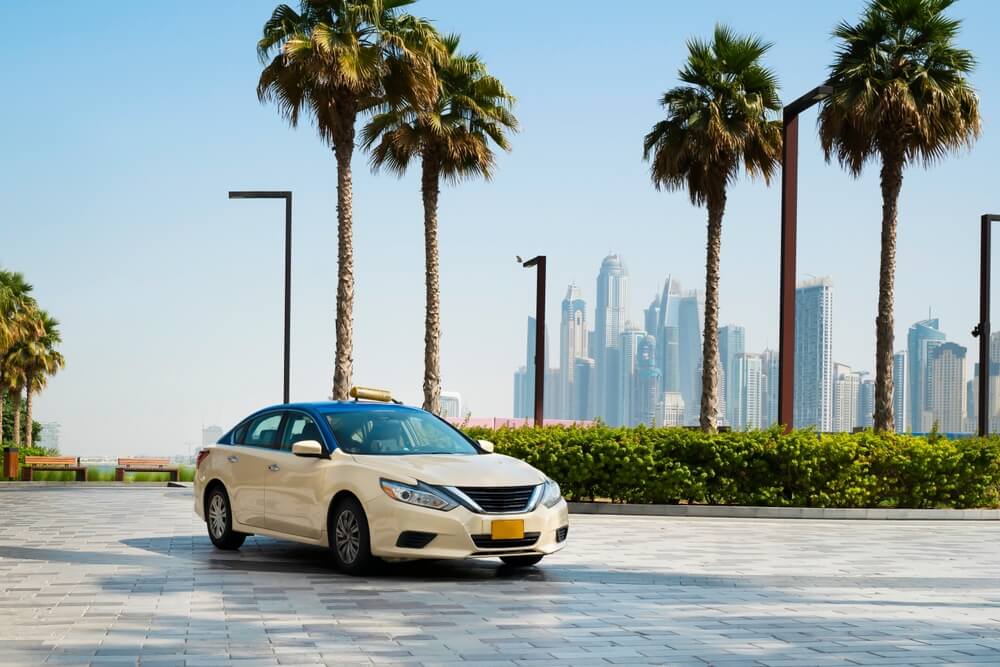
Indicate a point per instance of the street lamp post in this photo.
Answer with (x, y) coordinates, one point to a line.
(287, 196)
(982, 330)
(539, 262)
(789, 223)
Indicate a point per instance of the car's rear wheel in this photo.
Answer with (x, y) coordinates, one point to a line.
(349, 537)
(219, 518)
(520, 561)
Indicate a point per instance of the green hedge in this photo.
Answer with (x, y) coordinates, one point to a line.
(770, 468)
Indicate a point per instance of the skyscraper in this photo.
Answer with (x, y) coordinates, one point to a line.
(670, 409)
(689, 318)
(732, 343)
(813, 402)
(584, 378)
(626, 392)
(747, 378)
(667, 333)
(900, 401)
(572, 344)
(609, 322)
(769, 363)
(846, 394)
(451, 405)
(647, 382)
(524, 380)
(921, 340)
(946, 387)
(866, 404)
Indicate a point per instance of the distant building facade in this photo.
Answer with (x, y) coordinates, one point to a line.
(813, 395)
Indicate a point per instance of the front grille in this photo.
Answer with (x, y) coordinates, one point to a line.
(562, 533)
(414, 539)
(500, 499)
(487, 542)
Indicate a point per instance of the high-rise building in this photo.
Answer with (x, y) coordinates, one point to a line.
(647, 383)
(572, 345)
(813, 396)
(49, 438)
(921, 340)
(626, 392)
(524, 380)
(747, 378)
(769, 392)
(946, 387)
(651, 316)
(667, 333)
(846, 394)
(451, 405)
(900, 402)
(209, 435)
(689, 318)
(866, 404)
(521, 408)
(584, 378)
(609, 322)
(732, 343)
(670, 409)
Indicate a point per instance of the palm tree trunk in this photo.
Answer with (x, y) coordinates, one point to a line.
(892, 181)
(343, 362)
(432, 318)
(28, 417)
(3, 395)
(17, 417)
(710, 344)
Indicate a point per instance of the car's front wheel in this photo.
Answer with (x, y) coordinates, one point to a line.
(220, 521)
(349, 537)
(520, 561)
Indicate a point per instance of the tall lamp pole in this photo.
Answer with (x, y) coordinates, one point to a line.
(287, 196)
(539, 262)
(982, 330)
(789, 223)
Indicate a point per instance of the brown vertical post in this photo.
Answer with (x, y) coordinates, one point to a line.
(288, 293)
(786, 305)
(540, 342)
(983, 328)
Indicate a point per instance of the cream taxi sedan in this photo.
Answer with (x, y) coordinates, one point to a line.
(374, 479)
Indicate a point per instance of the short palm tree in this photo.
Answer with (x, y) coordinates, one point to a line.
(453, 136)
(17, 322)
(719, 122)
(38, 360)
(900, 94)
(331, 61)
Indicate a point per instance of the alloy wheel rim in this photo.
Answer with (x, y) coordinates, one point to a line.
(348, 536)
(217, 516)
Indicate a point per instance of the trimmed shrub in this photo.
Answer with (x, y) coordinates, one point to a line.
(765, 468)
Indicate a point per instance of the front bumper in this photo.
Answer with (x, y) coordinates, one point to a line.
(457, 531)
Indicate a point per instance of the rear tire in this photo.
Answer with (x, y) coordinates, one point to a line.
(349, 538)
(520, 561)
(219, 519)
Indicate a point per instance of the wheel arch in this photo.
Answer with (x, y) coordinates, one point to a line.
(211, 486)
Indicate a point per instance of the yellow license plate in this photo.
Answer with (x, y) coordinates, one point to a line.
(507, 529)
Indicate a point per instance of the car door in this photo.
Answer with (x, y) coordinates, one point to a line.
(249, 467)
(294, 496)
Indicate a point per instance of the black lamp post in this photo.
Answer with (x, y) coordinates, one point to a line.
(287, 196)
(789, 223)
(982, 330)
(539, 262)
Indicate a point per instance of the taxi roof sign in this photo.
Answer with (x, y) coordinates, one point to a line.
(369, 394)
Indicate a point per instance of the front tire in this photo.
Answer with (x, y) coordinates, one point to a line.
(350, 540)
(219, 518)
(520, 561)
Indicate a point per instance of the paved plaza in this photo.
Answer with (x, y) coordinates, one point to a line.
(124, 576)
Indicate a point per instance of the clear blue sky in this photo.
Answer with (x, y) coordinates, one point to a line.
(124, 124)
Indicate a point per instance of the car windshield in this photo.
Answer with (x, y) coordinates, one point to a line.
(395, 432)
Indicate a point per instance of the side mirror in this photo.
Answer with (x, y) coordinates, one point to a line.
(486, 446)
(309, 448)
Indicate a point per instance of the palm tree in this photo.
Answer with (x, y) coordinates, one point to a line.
(331, 61)
(38, 360)
(900, 94)
(718, 123)
(452, 136)
(17, 322)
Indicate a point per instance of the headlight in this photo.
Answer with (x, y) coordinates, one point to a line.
(421, 496)
(551, 495)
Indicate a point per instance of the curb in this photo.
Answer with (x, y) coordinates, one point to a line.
(87, 485)
(743, 512)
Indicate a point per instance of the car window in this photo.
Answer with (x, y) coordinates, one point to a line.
(395, 432)
(299, 427)
(263, 431)
(240, 434)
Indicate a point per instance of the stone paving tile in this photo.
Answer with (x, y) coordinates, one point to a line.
(108, 576)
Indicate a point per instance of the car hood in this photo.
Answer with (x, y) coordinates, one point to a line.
(454, 469)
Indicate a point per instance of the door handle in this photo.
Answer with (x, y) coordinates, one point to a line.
(274, 467)
(232, 459)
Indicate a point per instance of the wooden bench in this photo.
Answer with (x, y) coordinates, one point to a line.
(53, 463)
(126, 465)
